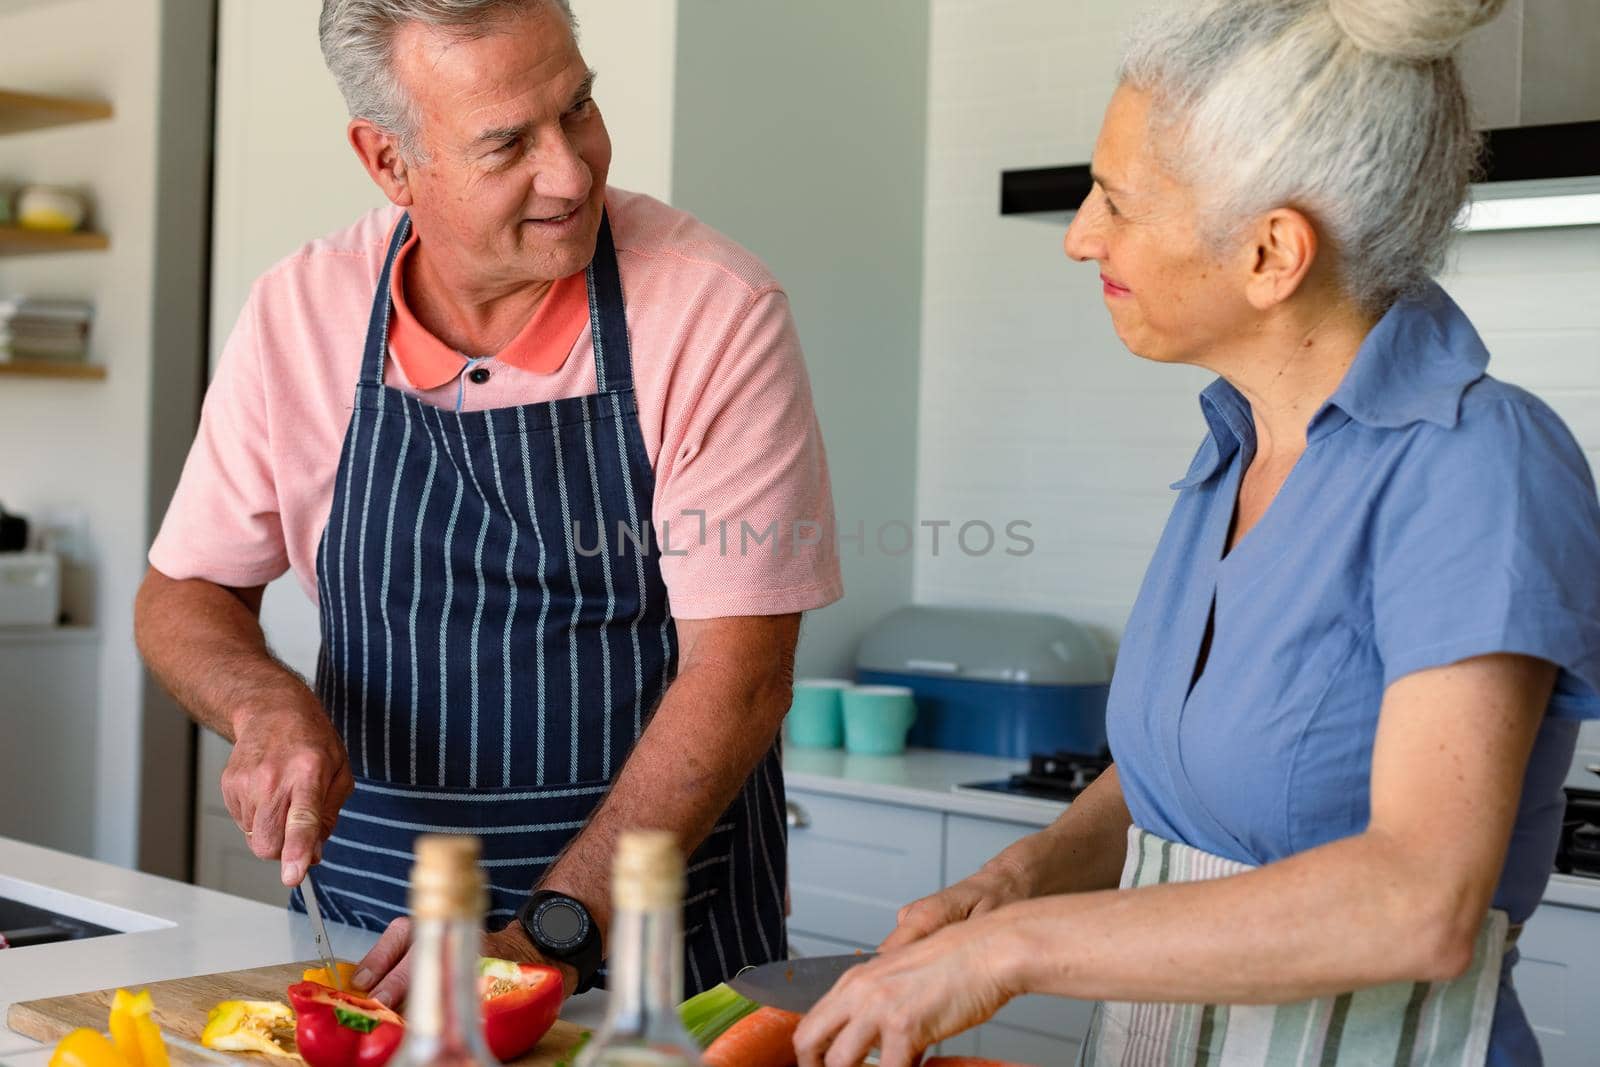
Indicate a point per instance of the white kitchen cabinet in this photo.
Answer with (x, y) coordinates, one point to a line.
(1557, 980)
(1023, 1023)
(49, 719)
(854, 863)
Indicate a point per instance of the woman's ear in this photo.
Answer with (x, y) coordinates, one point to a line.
(1283, 251)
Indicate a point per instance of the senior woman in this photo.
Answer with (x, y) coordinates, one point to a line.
(1347, 694)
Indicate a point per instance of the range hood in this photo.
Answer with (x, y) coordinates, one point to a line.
(1534, 176)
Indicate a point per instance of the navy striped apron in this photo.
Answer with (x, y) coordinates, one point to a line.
(494, 638)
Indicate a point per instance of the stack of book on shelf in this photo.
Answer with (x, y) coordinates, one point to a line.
(56, 330)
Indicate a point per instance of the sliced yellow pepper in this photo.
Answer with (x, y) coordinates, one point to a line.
(152, 1049)
(250, 1026)
(85, 1048)
(319, 975)
(134, 1032)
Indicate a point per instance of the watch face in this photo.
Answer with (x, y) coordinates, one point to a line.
(560, 923)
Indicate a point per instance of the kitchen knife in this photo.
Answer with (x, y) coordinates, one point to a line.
(795, 985)
(319, 931)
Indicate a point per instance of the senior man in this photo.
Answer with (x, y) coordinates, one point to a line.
(545, 372)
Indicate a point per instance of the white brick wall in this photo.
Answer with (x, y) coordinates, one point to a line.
(1031, 408)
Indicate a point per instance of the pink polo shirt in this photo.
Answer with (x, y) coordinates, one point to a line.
(724, 405)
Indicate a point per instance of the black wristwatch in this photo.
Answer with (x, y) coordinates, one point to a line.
(562, 929)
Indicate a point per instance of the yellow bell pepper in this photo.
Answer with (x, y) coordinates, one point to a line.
(250, 1026)
(135, 1038)
(85, 1048)
(134, 1032)
(319, 975)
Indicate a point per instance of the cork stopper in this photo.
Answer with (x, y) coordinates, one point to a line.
(446, 882)
(648, 875)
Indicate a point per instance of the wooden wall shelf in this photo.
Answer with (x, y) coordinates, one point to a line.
(20, 112)
(24, 368)
(15, 241)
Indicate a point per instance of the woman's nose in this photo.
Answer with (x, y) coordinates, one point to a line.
(1082, 241)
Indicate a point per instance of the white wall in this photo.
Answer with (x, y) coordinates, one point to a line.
(800, 132)
(80, 455)
(1031, 408)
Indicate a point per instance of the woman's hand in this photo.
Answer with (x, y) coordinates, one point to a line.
(997, 885)
(911, 998)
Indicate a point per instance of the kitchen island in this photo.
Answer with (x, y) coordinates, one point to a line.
(171, 930)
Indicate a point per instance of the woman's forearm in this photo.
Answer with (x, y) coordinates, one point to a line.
(1350, 914)
(1082, 850)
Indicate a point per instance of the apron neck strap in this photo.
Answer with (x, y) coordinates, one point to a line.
(377, 347)
(608, 320)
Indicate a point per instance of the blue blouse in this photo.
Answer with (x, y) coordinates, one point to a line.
(1436, 514)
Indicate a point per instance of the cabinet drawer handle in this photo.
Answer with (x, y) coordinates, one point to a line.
(798, 819)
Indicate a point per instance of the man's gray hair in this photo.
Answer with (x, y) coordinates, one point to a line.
(358, 45)
(1350, 110)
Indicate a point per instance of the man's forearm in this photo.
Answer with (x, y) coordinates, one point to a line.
(204, 643)
(716, 722)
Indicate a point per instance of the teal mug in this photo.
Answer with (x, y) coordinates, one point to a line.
(816, 718)
(877, 719)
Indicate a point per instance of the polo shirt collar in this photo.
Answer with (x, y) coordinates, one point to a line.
(1414, 366)
(541, 347)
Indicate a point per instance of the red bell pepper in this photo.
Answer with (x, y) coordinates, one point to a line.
(338, 1029)
(520, 1004)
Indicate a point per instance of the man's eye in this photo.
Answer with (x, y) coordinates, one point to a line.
(581, 106)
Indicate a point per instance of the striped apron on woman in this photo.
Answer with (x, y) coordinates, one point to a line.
(1406, 1024)
(495, 633)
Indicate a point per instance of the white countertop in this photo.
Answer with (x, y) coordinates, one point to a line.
(1573, 891)
(922, 778)
(179, 930)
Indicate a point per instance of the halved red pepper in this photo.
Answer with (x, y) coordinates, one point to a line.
(520, 1004)
(338, 1029)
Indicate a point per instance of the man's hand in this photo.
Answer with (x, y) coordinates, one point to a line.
(385, 972)
(289, 773)
(284, 784)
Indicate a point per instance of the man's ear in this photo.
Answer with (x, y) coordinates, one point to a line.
(380, 154)
(1283, 249)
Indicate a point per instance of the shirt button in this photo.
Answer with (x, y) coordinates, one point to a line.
(478, 376)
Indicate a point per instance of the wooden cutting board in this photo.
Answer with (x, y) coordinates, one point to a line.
(182, 1004)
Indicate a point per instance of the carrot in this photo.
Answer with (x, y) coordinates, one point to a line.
(764, 1038)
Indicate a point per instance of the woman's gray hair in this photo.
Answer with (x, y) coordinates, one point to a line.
(1350, 110)
(358, 46)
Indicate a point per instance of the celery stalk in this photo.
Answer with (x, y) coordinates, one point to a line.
(709, 1014)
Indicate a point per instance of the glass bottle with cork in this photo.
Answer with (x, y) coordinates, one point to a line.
(645, 979)
(448, 900)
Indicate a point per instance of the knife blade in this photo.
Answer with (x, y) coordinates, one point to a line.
(318, 931)
(795, 985)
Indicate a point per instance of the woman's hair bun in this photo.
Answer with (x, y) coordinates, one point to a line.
(1415, 30)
